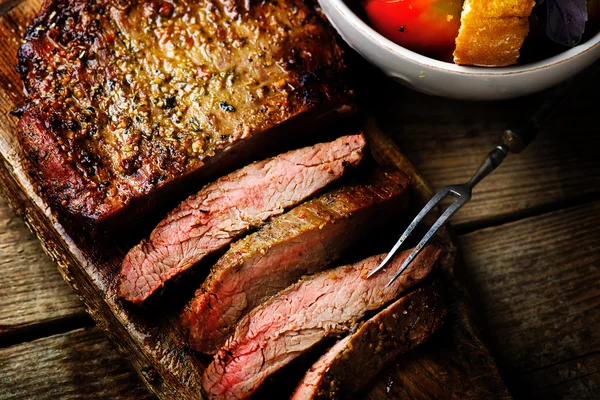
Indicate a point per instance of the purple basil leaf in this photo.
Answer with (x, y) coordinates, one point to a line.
(566, 20)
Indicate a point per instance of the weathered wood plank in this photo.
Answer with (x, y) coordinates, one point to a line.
(7, 5)
(538, 283)
(12, 31)
(74, 365)
(446, 140)
(577, 380)
(32, 290)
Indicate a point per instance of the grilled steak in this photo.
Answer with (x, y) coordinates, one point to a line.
(352, 362)
(302, 241)
(293, 321)
(130, 96)
(221, 211)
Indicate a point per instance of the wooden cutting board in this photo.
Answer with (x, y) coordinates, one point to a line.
(455, 364)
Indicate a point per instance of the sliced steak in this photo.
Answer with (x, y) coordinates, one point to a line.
(221, 211)
(130, 96)
(300, 242)
(299, 317)
(353, 361)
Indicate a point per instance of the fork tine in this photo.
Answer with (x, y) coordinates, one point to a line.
(428, 207)
(450, 211)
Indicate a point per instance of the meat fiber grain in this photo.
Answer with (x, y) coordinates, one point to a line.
(300, 242)
(296, 319)
(229, 207)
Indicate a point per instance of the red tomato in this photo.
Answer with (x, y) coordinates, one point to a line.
(424, 26)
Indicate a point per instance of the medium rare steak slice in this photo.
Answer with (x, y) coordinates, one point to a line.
(230, 206)
(353, 361)
(296, 319)
(300, 242)
(130, 96)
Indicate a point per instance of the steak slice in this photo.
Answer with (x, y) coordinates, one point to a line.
(300, 242)
(230, 206)
(296, 319)
(353, 361)
(126, 97)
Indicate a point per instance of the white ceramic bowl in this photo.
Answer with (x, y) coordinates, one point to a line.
(440, 78)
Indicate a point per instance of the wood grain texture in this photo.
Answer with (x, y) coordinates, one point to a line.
(13, 29)
(578, 379)
(32, 292)
(75, 365)
(538, 281)
(7, 5)
(448, 139)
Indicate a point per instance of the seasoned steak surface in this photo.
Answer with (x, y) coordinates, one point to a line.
(300, 242)
(129, 95)
(229, 207)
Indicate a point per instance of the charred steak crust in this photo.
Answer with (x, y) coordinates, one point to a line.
(400, 327)
(299, 317)
(128, 96)
(302, 241)
(229, 207)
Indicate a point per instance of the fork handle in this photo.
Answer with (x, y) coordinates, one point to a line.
(491, 162)
(521, 133)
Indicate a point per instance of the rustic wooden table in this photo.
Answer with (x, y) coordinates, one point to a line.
(530, 239)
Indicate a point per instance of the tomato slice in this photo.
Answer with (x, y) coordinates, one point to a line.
(424, 26)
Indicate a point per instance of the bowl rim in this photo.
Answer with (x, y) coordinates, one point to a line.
(429, 62)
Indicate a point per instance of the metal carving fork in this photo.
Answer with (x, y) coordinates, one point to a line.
(515, 139)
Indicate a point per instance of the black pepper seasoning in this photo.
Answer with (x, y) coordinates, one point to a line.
(169, 102)
(226, 107)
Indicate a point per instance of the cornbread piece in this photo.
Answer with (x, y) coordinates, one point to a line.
(229, 207)
(302, 241)
(353, 361)
(492, 32)
(127, 97)
(296, 319)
